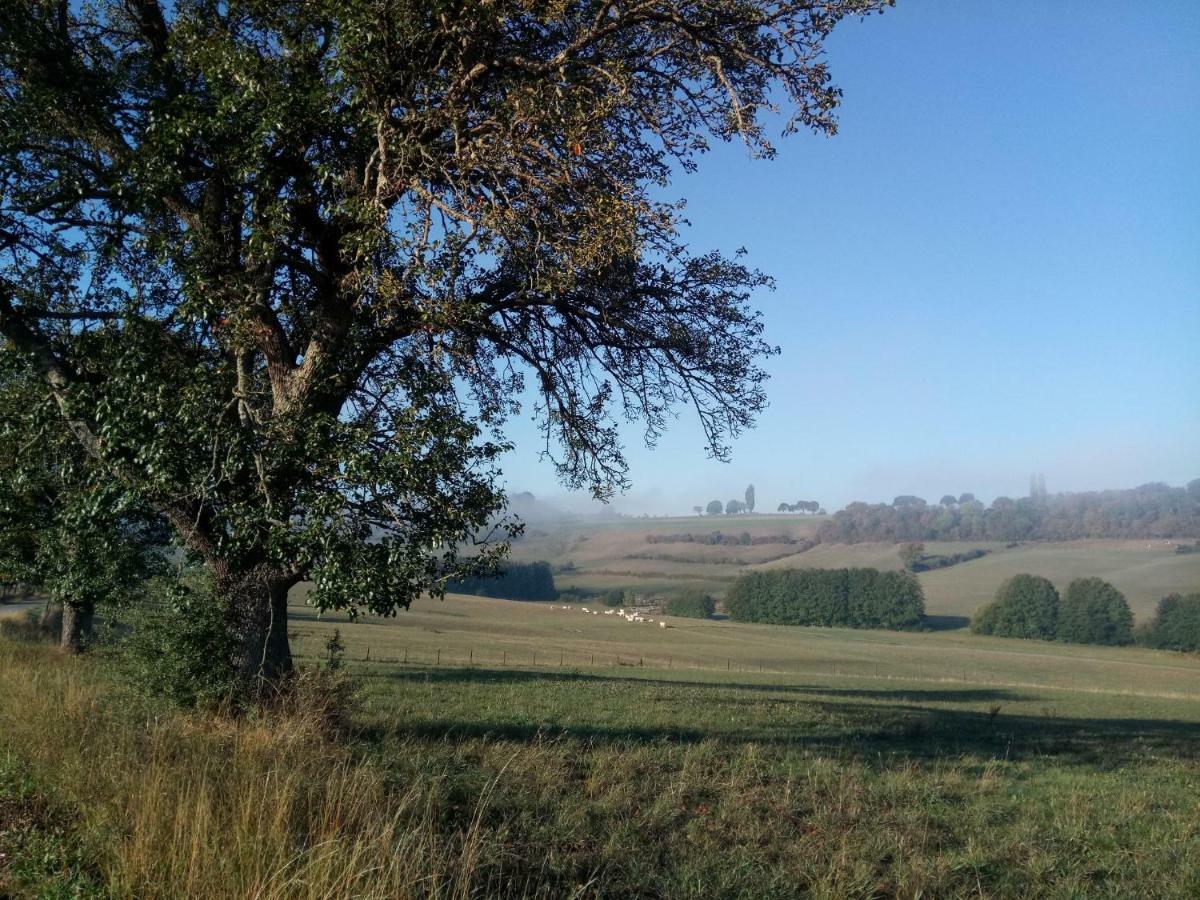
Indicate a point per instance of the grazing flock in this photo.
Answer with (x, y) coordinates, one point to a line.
(627, 615)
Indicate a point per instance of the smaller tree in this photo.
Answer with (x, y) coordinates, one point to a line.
(948, 500)
(1094, 612)
(698, 510)
(965, 498)
(615, 597)
(715, 507)
(691, 603)
(1026, 606)
(750, 498)
(1176, 624)
(911, 553)
(784, 507)
(733, 507)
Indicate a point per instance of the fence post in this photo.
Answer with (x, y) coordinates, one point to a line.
(504, 659)
(560, 659)
(471, 658)
(535, 658)
(439, 657)
(406, 656)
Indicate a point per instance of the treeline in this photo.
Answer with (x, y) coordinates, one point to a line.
(1150, 511)
(517, 581)
(716, 538)
(851, 598)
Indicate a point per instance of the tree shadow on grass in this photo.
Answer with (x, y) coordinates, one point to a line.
(516, 676)
(905, 726)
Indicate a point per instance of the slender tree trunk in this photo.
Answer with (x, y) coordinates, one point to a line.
(77, 621)
(257, 616)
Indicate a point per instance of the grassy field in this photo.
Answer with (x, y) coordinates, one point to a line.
(706, 759)
(617, 554)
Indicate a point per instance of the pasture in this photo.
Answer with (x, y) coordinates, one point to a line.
(524, 751)
(602, 555)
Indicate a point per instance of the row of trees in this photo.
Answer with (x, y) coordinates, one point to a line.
(1150, 511)
(853, 598)
(515, 581)
(717, 538)
(811, 507)
(1091, 611)
(730, 507)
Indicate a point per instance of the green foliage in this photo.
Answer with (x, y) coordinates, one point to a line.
(734, 507)
(750, 498)
(1026, 606)
(515, 581)
(691, 603)
(176, 646)
(1094, 612)
(1176, 624)
(851, 598)
(715, 507)
(615, 597)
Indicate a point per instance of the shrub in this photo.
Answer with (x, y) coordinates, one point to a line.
(1094, 612)
(177, 645)
(854, 598)
(692, 604)
(1026, 606)
(1176, 624)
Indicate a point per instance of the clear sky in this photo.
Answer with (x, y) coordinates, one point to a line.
(992, 270)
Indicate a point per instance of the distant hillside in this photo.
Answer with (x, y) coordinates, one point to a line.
(1150, 511)
(530, 509)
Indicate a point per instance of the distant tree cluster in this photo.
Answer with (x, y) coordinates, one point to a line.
(691, 603)
(716, 538)
(811, 507)
(1150, 511)
(1027, 606)
(1176, 624)
(516, 581)
(852, 598)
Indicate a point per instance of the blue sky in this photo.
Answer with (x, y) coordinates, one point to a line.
(992, 270)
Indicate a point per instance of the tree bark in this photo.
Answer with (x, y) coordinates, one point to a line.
(256, 604)
(77, 621)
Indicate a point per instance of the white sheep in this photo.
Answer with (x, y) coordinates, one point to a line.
(662, 624)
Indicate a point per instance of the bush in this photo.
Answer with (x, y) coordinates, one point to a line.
(1026, 606)
(1176, 624)
(1094, 612)
(614, 597)
(853, 598)
(692, 604)
(177, 646)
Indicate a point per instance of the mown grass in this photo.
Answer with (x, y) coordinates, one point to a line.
(480, 781)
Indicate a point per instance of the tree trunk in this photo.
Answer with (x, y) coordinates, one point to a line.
(257, 616)
(48, 613)
(77, 620)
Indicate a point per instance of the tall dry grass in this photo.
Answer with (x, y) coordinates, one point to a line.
(178, 805)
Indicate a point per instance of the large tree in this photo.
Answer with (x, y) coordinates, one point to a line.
(284, 267)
